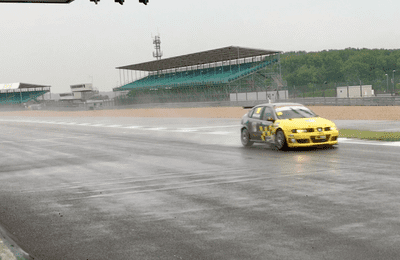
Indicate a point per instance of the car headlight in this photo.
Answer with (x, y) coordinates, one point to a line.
(332, 128)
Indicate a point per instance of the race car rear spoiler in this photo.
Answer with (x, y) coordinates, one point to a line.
(248, 107)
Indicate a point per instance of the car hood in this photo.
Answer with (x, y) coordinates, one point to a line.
(305, 122)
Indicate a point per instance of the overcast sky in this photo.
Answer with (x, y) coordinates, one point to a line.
(61, 45)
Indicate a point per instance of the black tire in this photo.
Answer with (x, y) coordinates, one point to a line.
(280, 140)
(245, 138)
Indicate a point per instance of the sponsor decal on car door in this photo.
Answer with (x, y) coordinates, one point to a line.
(255, 123)
(265, 126)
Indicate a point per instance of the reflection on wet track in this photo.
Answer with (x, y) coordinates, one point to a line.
(111, 188)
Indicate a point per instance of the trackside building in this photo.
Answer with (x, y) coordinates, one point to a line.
(355, 91)
(79, 93)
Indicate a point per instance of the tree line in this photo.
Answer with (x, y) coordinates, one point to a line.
(328, 69)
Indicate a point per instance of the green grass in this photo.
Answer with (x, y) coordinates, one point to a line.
(370, 135)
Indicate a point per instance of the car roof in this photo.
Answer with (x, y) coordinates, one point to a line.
(279, 104)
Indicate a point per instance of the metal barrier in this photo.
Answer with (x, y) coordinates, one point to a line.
(332, 101)
(319, 101)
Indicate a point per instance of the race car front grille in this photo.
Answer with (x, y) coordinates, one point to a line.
(302, 141)
(315, 140)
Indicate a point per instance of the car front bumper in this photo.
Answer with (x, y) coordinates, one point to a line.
(312, 139)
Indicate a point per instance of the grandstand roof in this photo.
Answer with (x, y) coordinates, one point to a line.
(210, 56)
(20, 85)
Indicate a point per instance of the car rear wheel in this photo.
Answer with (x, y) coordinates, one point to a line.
(245, 138)
(280, 140)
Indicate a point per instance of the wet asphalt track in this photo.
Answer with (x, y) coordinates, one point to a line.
(145, 188)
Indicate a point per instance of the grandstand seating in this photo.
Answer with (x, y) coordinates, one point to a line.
(18, 98)
(207, 76)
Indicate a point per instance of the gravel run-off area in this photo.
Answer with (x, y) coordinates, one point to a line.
(329, 112)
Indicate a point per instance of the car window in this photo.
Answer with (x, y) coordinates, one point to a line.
(250, 113)
(267, 113)
(287, 112)
(257, 113)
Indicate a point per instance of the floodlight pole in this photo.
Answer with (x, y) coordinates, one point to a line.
(157, 45)
(120, 79)
(387, 83)
(393, 80)
(238, 58)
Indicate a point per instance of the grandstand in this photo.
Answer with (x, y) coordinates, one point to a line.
(18, 93)
(204, 76)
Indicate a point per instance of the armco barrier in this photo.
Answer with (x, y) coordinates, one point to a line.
(319, 101)
(332, 101)
(329, 101)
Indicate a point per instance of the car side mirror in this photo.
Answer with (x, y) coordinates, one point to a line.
(270, 119)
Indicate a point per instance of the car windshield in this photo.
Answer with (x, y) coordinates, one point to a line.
(288, 112)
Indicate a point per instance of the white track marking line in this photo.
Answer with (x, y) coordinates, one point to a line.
(184, 130)
(115, 126)
(218, 133)
(355, 141)
(132, 127)
(156, 128)
(197, 130)
(126, 180)
(205, 127)
(188, 184)
(44, 140)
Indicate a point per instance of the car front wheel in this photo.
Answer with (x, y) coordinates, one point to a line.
(280, 140)
(245, 138)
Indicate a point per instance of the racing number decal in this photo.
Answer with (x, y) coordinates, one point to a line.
(266, 131)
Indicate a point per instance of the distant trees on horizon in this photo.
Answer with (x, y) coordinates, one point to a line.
(331, 68)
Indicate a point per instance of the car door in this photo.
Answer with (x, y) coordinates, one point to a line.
(255, 123)
(265, 125)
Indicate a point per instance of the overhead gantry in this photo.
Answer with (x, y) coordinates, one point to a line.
(61, 1)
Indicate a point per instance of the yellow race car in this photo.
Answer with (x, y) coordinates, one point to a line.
(286, 125)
